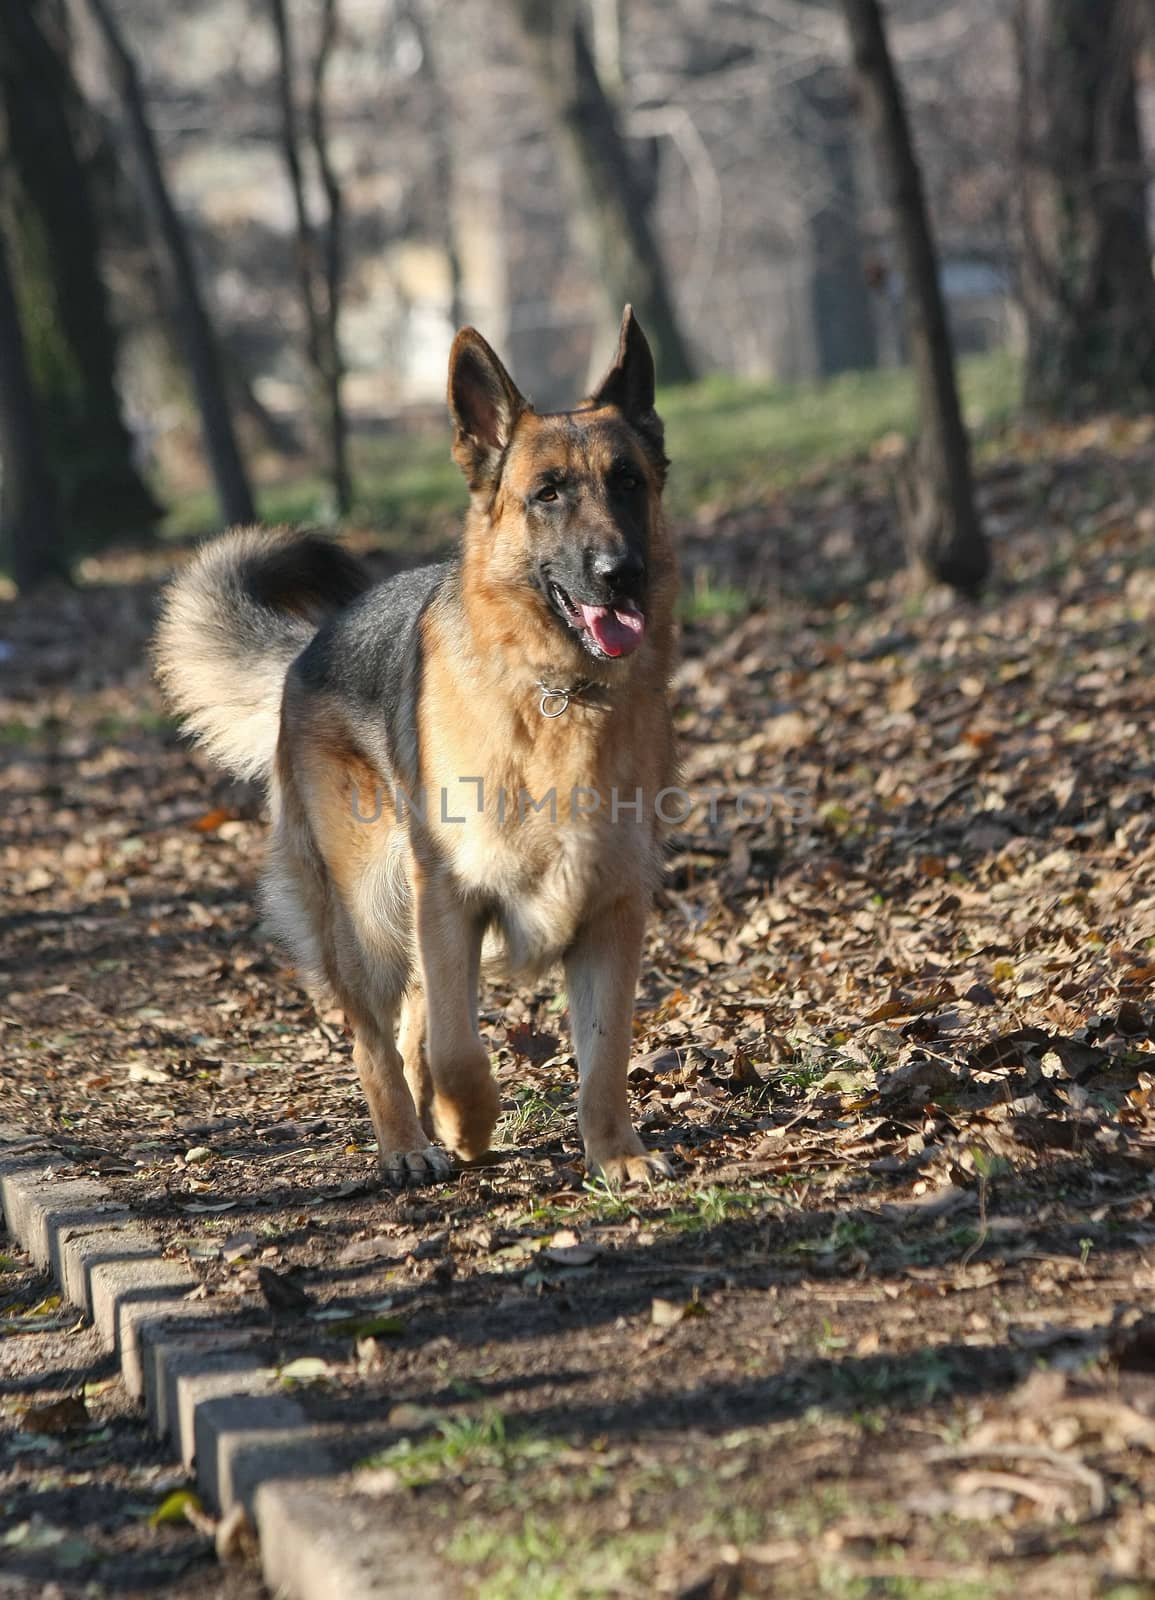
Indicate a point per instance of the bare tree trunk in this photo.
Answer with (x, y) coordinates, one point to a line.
(441, 122)
(54, 263)
(938, 504)
(843, 317)
(1087, 282)
(277, 433)
(29, 510)
(197, 335)
(319, 251)
(612, 214)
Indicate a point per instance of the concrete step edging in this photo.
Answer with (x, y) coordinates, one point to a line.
(206, 1390)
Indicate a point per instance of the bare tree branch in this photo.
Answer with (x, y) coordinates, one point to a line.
(941, 518)
(197, 334)
(317, 251)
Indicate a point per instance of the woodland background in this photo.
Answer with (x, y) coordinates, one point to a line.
(240, 234)
(888, 1333)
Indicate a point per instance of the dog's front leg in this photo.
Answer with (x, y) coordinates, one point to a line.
(601, 970)
(465, 1099)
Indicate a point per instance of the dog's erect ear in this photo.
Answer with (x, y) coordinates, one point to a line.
(485, 404)
(629, 385)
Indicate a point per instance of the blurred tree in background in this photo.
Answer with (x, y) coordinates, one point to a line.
(843, 318)
(1087, 282)
(196, 334)
(302, 199)
(318, 247)
(612, 214)
(29, 512)
(54, 250)
(937, 498)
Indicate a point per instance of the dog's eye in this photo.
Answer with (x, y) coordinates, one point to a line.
(547, 493)
(626, 481)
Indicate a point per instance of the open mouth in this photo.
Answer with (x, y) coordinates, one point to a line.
(615, 630)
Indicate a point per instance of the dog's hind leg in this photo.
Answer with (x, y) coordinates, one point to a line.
(364, 975)
(371, 969)
(405, 1152)
(347, 874)
(375, 956)
(371, 954)
(465, 1099)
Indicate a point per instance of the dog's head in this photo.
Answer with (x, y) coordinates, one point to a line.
(565, 535)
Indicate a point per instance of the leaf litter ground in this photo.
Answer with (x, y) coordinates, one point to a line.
(83, 1488)
(890, 1331)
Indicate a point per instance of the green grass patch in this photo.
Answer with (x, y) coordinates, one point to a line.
(705, 598)
(669, 1210)
(406, 487)
(804, 1076)
(17, 734)
(533, 1115)
(732, 441)
(549, 1560)
(920, 1378)
(559, 1534)
(112, 726)
(463, 1447)
(835, 1585)
(710, 1207)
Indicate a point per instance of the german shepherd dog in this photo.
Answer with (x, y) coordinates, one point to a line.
(464, 763)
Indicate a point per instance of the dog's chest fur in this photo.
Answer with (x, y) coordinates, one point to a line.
(551, 834)
(539, 895)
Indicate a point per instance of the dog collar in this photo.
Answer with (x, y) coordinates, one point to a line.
(556, 702)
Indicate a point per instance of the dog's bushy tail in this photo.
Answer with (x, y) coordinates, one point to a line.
(231, 625)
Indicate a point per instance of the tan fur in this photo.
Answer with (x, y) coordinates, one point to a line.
(578, 893)
(226, 689)
(395, 915)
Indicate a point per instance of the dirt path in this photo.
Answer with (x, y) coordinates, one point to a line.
(81, 1482)
(884, 1335)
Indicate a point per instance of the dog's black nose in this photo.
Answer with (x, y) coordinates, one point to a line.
(621, 571)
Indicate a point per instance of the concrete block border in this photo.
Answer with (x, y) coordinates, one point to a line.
(205, 1389)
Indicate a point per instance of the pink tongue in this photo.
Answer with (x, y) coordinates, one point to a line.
(618, 631)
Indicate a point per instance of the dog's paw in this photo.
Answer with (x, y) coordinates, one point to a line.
(642, 1166)
(466, 1114)
(406, 1169)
